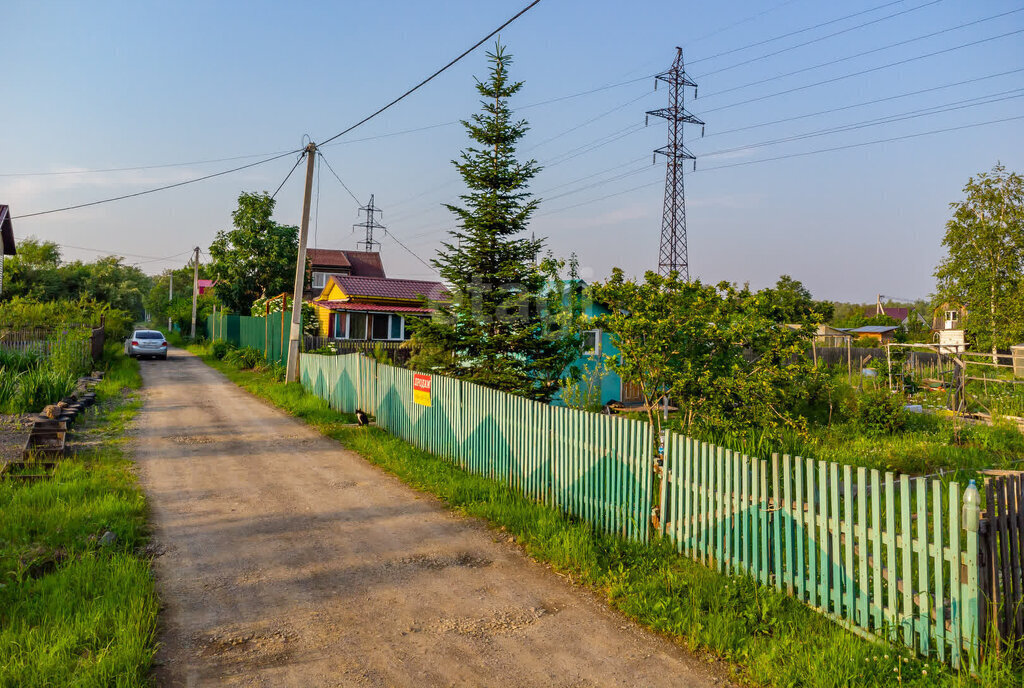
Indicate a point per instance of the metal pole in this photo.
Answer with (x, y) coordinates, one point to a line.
(195, 290)
(291, 372)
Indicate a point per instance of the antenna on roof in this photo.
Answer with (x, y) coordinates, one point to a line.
(369, 224)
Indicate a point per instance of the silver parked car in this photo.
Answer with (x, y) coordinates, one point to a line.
(146, 343)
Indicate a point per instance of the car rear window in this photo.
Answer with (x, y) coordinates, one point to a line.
(148, 335)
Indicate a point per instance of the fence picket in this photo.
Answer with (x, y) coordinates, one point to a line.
(840, 540)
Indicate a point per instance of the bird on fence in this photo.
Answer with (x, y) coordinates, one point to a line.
(361, 418)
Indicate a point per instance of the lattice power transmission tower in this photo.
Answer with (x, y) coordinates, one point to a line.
(369, 224)
(673, 253)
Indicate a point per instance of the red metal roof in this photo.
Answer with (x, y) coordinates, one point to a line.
(361, 263)
(892, 311)
(352, 306)
(388, 288)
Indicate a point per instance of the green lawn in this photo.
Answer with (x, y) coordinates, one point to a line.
(768, 638)
(75, 611)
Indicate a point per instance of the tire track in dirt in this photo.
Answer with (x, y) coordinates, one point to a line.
(290, 561)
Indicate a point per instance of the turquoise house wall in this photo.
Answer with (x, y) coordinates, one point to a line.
(611, 385)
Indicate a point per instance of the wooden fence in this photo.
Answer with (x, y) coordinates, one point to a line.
(42, 341)
(1002, 549)
(876, 553)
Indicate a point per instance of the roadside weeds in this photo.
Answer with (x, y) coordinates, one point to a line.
(78, 606)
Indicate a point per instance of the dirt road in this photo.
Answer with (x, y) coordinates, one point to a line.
(289, 561)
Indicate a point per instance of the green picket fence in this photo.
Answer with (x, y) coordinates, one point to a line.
(268, 334)
(885, 557)
(592, 466)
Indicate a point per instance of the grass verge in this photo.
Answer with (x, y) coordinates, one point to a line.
(769, 638)
(75, 610)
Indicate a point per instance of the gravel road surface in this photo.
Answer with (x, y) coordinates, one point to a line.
(286, 560)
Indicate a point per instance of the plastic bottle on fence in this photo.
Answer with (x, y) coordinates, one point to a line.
(972, 507)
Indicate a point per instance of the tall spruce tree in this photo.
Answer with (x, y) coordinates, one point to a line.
(501, 328)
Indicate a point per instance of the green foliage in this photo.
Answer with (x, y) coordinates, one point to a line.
(984, 265)
(789, 301)
(714, 349)
(879, 411)
(245, 357)
(220, 349)
(866, 342)
(509, 324)
(38, 274)
(91, 620)
(179, 306)
(257, 257)
(581, 387)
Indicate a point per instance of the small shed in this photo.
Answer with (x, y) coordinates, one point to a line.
(883, 333)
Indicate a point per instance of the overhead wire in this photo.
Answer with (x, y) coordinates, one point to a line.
(820, 38)
(870, 52)
(797, 155)
(795, 32)
(153, 190)
(340, 181)
(433, 76)
(860, 72)
(288, 176)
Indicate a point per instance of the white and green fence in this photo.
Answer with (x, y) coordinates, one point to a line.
(884, 556)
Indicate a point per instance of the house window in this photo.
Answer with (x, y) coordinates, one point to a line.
(952, 316)
(319, 280)
(592, 342)
(396, 327)
(381, 326)
(357, 326)
(340, 323)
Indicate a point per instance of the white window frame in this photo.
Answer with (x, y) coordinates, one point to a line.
(322, 277)
(596, 350)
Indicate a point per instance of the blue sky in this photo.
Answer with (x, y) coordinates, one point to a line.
(105, 85)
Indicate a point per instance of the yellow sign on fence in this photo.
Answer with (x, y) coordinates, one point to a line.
(421, 389)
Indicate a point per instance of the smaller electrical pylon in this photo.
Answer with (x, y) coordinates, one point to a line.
(369, 224)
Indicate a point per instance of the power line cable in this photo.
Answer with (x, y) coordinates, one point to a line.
(864, 103)
(389, 233)
(289, 175)
(861, 72)
(793, 33)
(889, 119)
(434, 75)
(154, 190)
(139, 167)
(343, 184)
(820, 38)
(794, 155)
(741, 21)
(872, 51)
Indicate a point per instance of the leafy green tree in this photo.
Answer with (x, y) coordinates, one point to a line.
(984, 266)
(257, 257)
(34, 272)
(789, 301)
(722, 360)
(504, 325)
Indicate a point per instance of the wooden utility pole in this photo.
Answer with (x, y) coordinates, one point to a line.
(292, 369)
(195, 289)
(170, 298)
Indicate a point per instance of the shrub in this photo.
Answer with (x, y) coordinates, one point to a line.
(244, 358)
(880, 412)
(220, 349)
(13, 362)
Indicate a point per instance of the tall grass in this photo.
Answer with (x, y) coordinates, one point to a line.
(74, 611)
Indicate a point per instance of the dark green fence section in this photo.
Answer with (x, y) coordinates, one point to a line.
(885, 556)
(269, 335)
